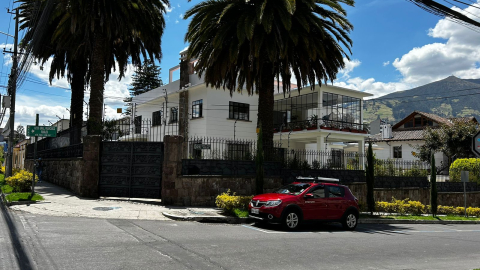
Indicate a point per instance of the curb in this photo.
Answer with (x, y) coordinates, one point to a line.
(214, 219)
(234, 220)
(21, 203)
(407, 221)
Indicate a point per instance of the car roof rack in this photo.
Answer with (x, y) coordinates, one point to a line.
(318, 179)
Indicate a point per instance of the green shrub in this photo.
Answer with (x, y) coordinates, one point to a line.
(229, 202)
(21, 181)
(415, 208)
(465, 164)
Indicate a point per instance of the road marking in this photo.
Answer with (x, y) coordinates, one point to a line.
(363, 231)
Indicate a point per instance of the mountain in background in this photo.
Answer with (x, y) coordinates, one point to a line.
(450, 97)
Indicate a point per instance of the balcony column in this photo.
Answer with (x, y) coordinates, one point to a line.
(361, 153)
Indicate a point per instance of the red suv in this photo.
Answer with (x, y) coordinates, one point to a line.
(317, 199)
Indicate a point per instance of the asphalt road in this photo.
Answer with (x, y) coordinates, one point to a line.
(46, 242)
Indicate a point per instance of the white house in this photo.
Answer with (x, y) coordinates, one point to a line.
(325, 118)
(398, 142)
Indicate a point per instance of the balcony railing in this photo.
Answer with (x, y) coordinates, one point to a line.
(321, 124)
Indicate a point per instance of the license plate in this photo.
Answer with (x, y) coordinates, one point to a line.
(255, 211)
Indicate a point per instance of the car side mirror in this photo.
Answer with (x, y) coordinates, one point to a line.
(308, 196)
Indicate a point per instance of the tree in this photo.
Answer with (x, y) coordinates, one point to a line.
(113, 34)
(453, 140)
(433, 187)
(259, 163)
(250, 44)
(43, 40)
(20, 133)
(146, 78)
(440, 10)
(370, 177)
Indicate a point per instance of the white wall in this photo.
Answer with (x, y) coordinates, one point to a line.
(387, 151)
(218, 124)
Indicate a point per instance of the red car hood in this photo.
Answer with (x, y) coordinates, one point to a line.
(272, 196)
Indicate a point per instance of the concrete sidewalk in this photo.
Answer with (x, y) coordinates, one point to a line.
(61, 202)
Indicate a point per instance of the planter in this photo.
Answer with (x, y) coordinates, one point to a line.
(345, 129)
(355, 131)
(285, 130)
(363, 131)
(297, 129)
(312, 128)
(327, 128)
(336, 129)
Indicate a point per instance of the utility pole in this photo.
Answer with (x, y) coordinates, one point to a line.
(12, 92)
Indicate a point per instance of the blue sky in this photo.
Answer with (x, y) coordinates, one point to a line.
(396, 46)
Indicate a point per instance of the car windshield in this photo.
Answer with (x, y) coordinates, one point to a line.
(293, 189)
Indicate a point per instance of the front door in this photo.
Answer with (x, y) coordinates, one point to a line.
(316, 207)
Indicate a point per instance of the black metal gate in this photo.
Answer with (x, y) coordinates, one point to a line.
(131, 169)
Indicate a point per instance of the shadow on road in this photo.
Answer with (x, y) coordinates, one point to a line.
(387, 229)
(23, 259)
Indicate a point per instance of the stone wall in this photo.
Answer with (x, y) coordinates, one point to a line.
(415, 194)
(80, 175)
(200, 190)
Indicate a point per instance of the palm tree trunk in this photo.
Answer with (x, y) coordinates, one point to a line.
(97, 80)
(76, 105)
(265, 108)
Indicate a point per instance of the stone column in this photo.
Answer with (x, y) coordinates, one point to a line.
(172, 168)
(91, 167)
(361, 154)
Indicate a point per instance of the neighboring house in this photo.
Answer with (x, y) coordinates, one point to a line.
(397, 142)
(323, 119)
(19, 151)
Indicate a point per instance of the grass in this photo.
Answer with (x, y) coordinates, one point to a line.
(409, 217)
(240, 213)
(23, 196)
(3, 185)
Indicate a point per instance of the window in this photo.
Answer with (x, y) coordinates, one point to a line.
(174, 115)
(408, 124)
(418, 121)
(397, 151)
(138, 124)
(335, 192)
(157, 118)
(240, 111)
(239, 151)
(197, 108)
(318, 192)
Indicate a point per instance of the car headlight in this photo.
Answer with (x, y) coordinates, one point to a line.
(273, 203)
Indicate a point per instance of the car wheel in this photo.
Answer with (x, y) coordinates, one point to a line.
(350, 221)
(291, 220)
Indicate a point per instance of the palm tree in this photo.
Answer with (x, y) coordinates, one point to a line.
(443, 11)
(42, 20)
(243, 44)
(106, 35)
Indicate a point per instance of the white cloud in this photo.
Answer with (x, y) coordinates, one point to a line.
(176, 21)
(386, 63)
(349, 66)
(181, 16)
(168, 9)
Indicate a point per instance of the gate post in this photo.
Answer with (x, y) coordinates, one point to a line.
(172, 167)
(91, 164)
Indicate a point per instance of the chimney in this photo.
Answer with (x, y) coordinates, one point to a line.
(386, 130)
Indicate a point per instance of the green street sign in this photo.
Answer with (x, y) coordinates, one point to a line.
(41, 131)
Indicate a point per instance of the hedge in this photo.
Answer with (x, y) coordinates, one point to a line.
(229, 202)
(407, 207)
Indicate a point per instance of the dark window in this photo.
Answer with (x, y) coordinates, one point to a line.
(239, 151)
(294, 189)
(196, 150)
(408, 124)
(174, 115)
(397, 152)
(240, 111)
(318, 192)
(138, 124)
(335, 192)
(418, 121)
(197, 108)
(157, 118)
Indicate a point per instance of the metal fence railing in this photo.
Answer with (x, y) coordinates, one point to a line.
(404, 168)
(72, 151)
(136, 129)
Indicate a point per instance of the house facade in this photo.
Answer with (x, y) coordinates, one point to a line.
(327, 118)
(399, 141)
